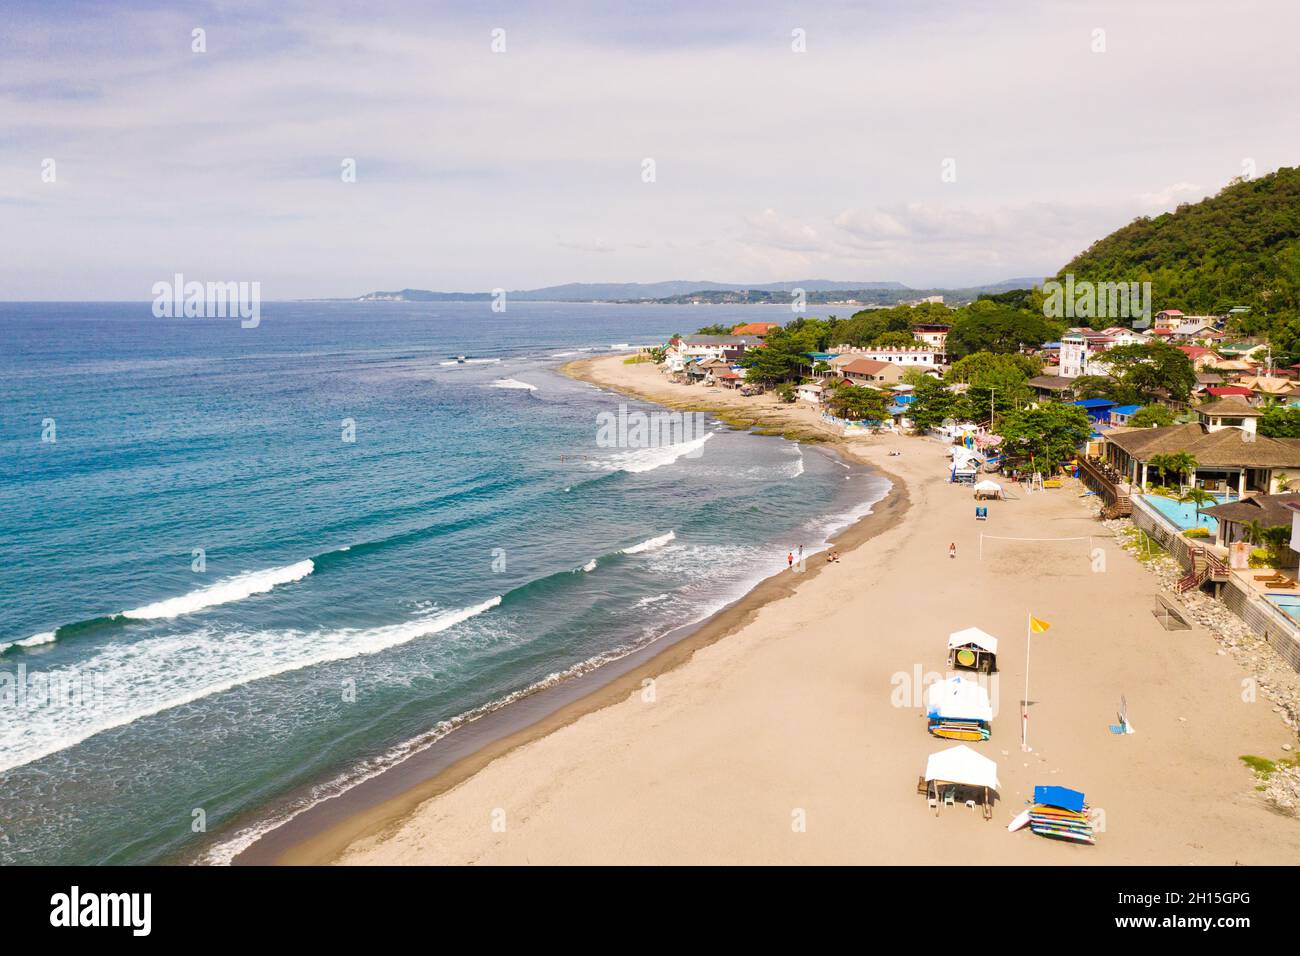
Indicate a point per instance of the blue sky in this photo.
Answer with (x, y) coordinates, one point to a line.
(478, 170)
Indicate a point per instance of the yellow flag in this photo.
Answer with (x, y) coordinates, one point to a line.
(1037, 626)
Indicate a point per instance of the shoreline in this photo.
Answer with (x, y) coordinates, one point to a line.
(814, 707)
(320, 834)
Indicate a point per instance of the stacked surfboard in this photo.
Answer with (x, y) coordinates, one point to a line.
(1060, 813)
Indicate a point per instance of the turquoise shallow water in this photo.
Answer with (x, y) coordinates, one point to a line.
(356, 599)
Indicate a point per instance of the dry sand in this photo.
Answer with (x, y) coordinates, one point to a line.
(794, 714)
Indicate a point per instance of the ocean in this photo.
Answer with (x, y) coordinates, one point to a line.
(244, 569)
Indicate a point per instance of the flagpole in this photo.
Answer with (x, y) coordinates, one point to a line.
(1024, 714)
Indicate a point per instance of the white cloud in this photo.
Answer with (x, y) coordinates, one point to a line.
(524, 169)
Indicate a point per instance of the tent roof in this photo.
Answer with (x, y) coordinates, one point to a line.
(973, 635)
(958, 699)
(960, 764)
(987, 485)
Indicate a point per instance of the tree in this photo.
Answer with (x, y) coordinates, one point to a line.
(780, 358)
(969, 367)
(894, 340)
(1181, 465)
(934, 402)
(718, 329)
(1152, 371)
(986, 326)
(1279, 422)
(857, 403)
(1198, 497)
(1046, 434)
(1149, 415)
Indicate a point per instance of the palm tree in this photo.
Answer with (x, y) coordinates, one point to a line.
(1254, 532)
(1198, 497)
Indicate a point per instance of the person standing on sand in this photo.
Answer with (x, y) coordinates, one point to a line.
(789, 560)
(952, 550)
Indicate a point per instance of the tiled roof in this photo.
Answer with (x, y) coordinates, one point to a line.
(1268, 510)
(1229, 407)
(1225, 447)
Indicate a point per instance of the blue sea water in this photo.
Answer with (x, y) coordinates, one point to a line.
(355, 600)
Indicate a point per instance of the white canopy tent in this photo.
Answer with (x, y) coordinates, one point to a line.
(973, 635)
(958, 699)
(961, 765)
(988, 489)
(955, 767)
(974, 649)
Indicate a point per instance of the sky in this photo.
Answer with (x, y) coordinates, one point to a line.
(939, 144)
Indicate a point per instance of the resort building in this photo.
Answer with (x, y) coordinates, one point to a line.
(1235, 518)
(1168, 319)
(921, 356)
(1230, 457)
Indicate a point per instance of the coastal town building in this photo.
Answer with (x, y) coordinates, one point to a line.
(1082, 351)
(870, 371)
(1230, 456)
(727, 348)
(922, 356)
(934, 335)
(1235, 518)
(758, 330)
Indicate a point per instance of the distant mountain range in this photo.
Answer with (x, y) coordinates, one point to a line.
(688, 290)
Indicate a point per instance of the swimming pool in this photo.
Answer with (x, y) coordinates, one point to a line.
(1183, 514)
(1288, 604)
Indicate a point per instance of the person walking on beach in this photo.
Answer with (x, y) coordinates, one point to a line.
(952, 550)
(789, 560)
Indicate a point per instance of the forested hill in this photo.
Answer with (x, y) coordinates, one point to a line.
(1240, 247)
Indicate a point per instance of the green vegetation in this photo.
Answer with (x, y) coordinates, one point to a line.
(1046, 435)
(1140, 544)
(1280, 422)
(1265, 768)
(990, 326)
(1180, 464)
(1238, 248)
(718, 329)
(1149, 415)
(855, 403)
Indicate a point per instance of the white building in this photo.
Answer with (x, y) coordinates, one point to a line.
(919, 355)
(1081, 352)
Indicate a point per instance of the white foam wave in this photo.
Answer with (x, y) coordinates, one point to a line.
(651, 543)
(647, 601)
(513, 383)
(648, 459)
(125, 682)
(45, 637)
(223, 592)
(590, 566)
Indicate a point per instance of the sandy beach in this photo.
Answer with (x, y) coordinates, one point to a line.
(790, 730)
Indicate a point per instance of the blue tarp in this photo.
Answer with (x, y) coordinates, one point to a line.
(1125, 409)
(1062, 797)
(905, 399)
